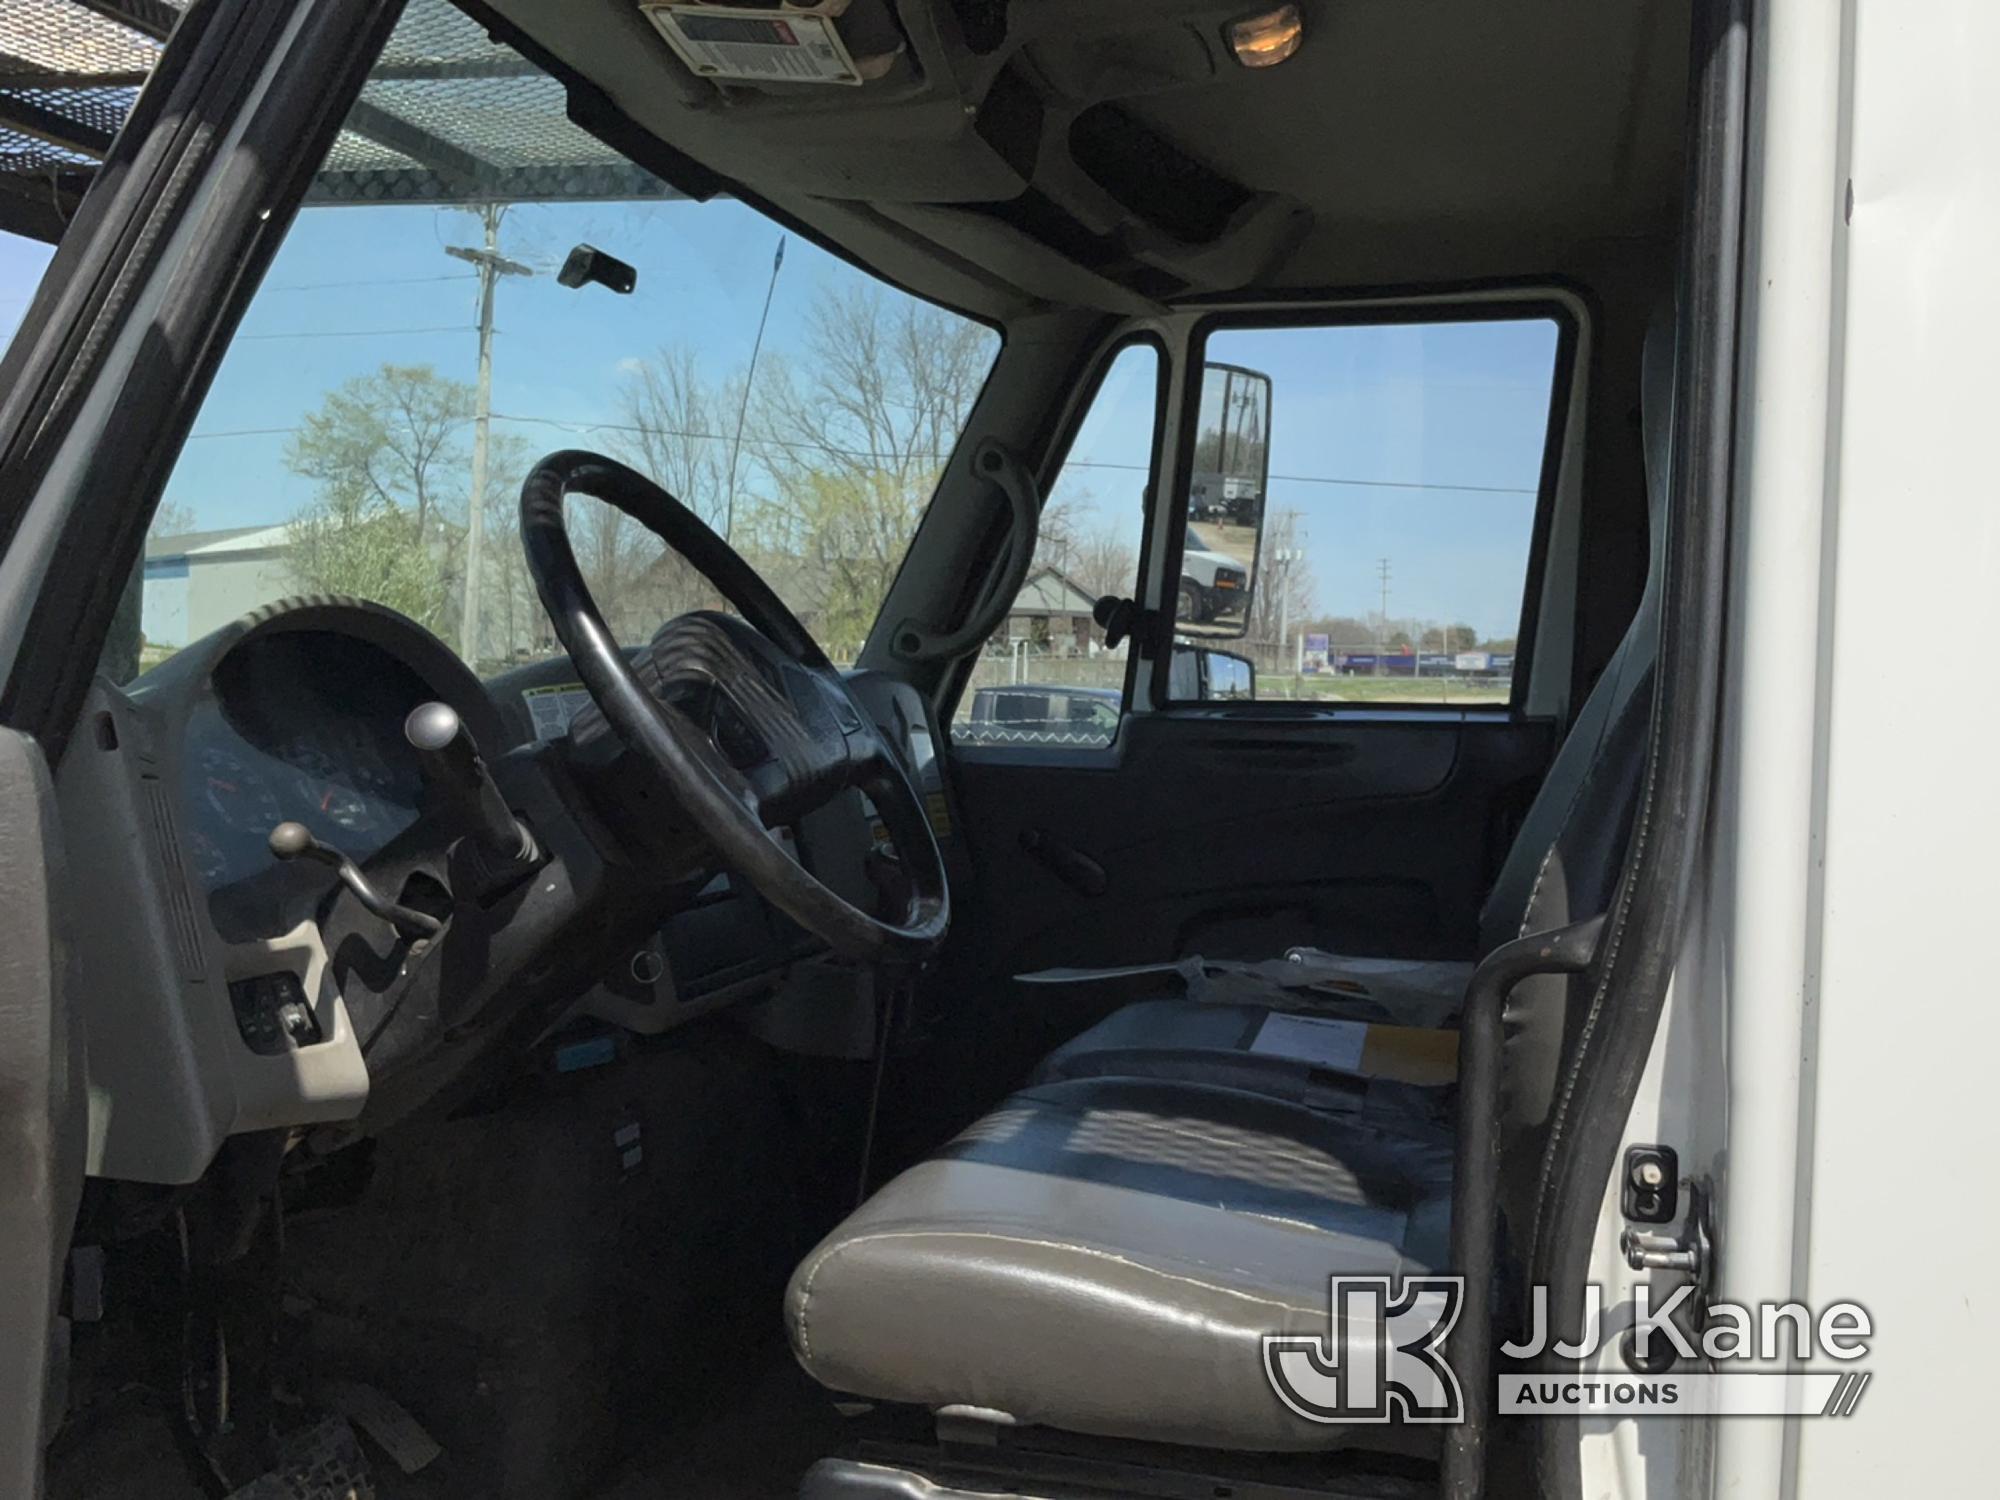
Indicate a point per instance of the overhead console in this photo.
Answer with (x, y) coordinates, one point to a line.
(969, 123)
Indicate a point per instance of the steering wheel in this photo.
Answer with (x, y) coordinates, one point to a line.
(789, 735)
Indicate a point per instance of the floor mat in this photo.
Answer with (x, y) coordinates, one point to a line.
(757, 1449)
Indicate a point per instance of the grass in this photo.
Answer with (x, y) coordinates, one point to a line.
(1456, 691)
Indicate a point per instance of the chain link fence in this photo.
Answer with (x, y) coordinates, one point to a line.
(1028, 695)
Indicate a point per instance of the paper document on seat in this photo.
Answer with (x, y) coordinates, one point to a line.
(1317, 1040)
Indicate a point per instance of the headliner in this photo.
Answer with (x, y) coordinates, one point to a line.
(1108, 153)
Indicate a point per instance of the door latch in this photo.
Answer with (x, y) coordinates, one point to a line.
(1651, 1194)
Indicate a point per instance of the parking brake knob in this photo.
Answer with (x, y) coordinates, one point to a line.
(291, 841)
(451, 763)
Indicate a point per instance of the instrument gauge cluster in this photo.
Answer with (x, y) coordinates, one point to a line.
(303, 726)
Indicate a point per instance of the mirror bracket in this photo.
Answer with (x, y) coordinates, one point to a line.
(1124, 619)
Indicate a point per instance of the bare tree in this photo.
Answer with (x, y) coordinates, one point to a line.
(673, 421)
(171, 518)
(1103, 562)
(1285, 588)
(842, 447)
(848, 441)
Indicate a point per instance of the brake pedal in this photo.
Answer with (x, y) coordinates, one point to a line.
(321, 1462)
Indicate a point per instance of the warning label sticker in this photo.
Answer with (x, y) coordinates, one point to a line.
(760, 46)
(552, 707)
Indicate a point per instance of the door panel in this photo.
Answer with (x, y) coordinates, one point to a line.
(41, 1102)
(1225, 836)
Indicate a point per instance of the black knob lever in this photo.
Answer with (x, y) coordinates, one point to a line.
(295, 841)
(459, 779)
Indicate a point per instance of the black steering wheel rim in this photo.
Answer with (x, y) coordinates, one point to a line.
(715, 796)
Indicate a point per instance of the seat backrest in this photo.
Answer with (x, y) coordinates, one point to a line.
(1566, 864)
(1521, 900)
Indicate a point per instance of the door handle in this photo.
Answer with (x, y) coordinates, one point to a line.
(1071, 866)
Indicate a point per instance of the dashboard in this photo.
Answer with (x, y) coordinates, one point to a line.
(255, 993)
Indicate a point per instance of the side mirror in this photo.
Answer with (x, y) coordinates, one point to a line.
(1232, 459)
(1200, 674)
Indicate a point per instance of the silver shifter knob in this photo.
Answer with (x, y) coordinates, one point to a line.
(459, 780)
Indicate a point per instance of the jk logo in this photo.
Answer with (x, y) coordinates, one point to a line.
(1382, 1362)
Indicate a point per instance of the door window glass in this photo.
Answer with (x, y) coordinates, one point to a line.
(1392, 542)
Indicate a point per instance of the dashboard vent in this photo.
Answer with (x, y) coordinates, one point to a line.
(173, 873)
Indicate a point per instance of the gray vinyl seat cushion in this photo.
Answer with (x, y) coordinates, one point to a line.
(1104, 1256)
(1217, 1044)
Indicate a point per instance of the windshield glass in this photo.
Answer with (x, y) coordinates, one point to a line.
(412, 352)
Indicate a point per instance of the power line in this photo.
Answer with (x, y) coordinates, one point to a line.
(860, 453)
(358, 333)
(1365, 484)
(714, 437)
(330, 286)
(1408, 484)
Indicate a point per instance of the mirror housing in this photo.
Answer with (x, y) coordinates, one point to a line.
(587, 264)
(1229, 473)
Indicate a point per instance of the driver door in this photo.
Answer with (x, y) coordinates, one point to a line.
(95, 391)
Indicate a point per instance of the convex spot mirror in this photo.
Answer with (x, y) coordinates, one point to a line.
(1226, 485)
(1199, 674)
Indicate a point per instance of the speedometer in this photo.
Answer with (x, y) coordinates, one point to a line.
(348, 809)
(242, 798)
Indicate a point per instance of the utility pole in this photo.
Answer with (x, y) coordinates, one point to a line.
(492, 266)
(1283, 559)
(1382, 620)
(743, 406)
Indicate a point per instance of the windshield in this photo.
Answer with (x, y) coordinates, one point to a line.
(406, 362)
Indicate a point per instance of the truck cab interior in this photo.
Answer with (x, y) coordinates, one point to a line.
(607, 990)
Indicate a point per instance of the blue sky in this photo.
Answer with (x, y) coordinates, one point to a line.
(22, 262)
(355, 287)
(1436, 406)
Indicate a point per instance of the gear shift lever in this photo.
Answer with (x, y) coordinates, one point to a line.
(459, 779)
(295, 841)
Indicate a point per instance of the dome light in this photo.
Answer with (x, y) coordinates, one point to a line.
(1265, 41)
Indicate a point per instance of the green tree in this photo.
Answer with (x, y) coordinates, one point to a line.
(512, 624)
(349, 542)
(1449, 638)
(397, 436)
(387, 453)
